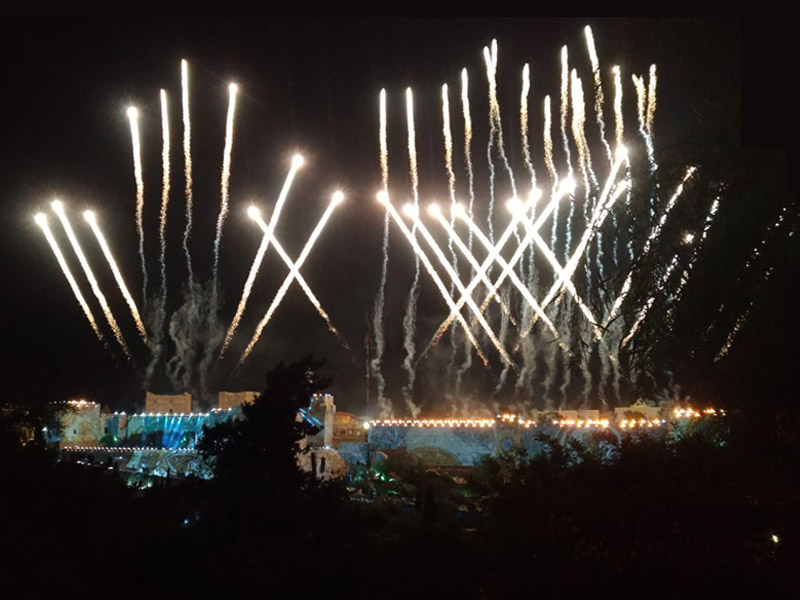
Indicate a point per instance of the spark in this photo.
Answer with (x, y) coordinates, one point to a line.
(92, 220)
(58, 208)
(41, 220)
(297, 162)
(337, 198)
(133, 117)
(455, 311)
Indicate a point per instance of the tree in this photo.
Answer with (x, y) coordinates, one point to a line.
(261, 447)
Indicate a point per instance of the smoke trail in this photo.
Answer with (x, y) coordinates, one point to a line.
(59, 210)
(297, 162)
(224, 186)
(504, 322)
(41, 220)
(338, 197)
(133, 117)
(92, 220)
(187, 166)
(410, 318)
(162, 226)
(384, 405)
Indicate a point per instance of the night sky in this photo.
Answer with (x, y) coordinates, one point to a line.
(305, 85)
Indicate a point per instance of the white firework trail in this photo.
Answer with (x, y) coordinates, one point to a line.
(447, 135)
(523, 121)
(619, 121)
(490, 65)
(92, 220)
(224, 187)
(737, 326)
(454, 309)
(642, 114)
(495, 251)
(654, 233)
(133, 117)
(380, 300)
(468, 145)
(494, 104)
(162, 223)
(254, 214)
(410, 318)
(456, 239)
(706, 226)
(508, 266)
(547, 137)
(651, 100)
(526, 152)
(601, 211)
(599, 98)
(187, 167)
(58, 208)
(293, 274)
(579, 132)
(563, 107)
(41, 220)
(409, 210)
(297, 162)
(619, 136)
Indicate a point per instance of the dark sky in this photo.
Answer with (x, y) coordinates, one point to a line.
(305, 85)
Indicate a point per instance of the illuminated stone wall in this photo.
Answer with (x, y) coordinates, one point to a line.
(235, 399)
(81, 424)
(165, 403)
